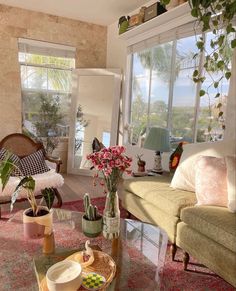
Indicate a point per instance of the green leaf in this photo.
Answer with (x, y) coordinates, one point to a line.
(217, 95)
(216, 84)
(215, 56)
(227, 75)
(195, 73)
(221, 40)
(194, 12)
(6, 168)
(219, 105)
(230, 28)
(220, 113)
(233, 43)
(202, 93)
(220, 64)
(48, 195)
(215, 22)
(200, 45)
(209, 128)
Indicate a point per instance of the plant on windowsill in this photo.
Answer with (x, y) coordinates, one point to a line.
(217, 16)
(37, 219)
(92, 220)
(141, 163)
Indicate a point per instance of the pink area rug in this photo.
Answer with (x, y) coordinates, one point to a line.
(197, 278)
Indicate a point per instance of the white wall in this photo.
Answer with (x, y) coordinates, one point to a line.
(230, 132)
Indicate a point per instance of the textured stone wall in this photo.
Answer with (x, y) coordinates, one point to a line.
(90, 41)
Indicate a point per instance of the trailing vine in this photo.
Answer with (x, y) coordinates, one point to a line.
(215, 16)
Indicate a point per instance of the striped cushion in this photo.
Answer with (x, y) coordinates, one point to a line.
(14, 159)
(34, 164)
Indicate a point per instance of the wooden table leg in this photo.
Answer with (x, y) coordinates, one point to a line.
(185, 260)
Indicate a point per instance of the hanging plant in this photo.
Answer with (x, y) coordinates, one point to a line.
(215, 16)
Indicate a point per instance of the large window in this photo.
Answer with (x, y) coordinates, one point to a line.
(164, 94)
(46, 89)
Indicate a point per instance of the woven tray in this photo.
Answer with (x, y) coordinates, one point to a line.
(103, 264)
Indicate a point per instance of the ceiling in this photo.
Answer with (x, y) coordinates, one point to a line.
(102, 12)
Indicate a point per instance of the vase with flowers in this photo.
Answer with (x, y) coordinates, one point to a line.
(111, 163)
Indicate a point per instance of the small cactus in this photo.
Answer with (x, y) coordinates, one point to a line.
(91, 212)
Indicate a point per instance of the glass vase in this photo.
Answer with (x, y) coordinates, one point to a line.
(111, 216)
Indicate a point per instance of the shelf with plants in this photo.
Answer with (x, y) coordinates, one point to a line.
(175, 17)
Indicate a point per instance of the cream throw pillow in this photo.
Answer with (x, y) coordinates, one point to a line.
(184, 177)
(231, 182)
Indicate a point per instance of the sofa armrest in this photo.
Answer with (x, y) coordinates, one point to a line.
(55, 160)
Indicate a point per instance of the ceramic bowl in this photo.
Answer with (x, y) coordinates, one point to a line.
(64, 276)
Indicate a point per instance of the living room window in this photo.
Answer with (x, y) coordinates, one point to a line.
(46, 72)
(164, 94)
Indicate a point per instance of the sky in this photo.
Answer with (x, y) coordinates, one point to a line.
(184, 88)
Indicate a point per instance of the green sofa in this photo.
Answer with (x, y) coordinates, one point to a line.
(208, 233)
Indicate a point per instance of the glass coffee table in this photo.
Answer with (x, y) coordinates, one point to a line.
(139, 252)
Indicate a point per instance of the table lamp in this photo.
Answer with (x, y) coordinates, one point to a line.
(158, 139)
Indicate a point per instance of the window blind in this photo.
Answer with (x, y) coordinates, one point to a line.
(45, 48)
(183, 31)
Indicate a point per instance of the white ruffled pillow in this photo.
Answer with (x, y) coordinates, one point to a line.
(184, 177)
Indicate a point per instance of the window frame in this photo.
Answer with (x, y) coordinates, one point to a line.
(171, 84)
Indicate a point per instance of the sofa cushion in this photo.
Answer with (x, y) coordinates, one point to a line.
(42, 181)
(34, 164)
(211, 182)
(157, 191)
(184, 177)
(231, 182)
(216, 223)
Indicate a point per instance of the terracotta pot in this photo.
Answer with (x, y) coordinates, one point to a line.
(92, 228)
(37, 226)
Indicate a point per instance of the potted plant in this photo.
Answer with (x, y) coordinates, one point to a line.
(141, 163)
(92, 220)
(37, 219)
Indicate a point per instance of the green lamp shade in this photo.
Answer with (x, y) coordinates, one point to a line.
(158, 139)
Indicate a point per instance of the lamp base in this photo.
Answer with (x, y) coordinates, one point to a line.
(157, 164)
(156, 172)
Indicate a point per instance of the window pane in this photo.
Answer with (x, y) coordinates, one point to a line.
(33, 77)
(140, 87)
(161, 73)
(184, 91)
(46, 115)
(59, 80)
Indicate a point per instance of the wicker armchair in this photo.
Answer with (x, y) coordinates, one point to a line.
(23, 146)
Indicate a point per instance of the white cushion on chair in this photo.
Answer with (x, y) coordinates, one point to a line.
(45, 180)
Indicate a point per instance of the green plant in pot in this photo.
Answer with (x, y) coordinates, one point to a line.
(141, 163)
(92, 220)
(37, 219)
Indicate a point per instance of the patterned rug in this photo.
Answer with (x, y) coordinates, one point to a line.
(197, 278)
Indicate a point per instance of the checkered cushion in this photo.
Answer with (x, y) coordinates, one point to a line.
(34, 164)
(14, 158)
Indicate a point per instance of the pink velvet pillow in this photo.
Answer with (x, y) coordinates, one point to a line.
(211, 181)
